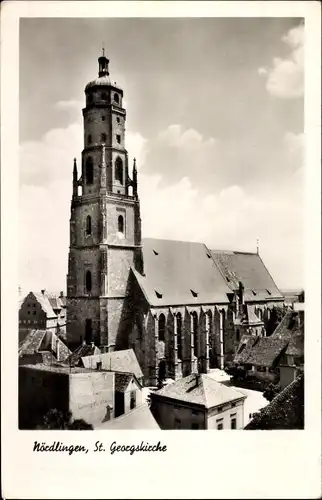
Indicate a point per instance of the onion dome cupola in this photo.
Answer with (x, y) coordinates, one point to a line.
(114, 92)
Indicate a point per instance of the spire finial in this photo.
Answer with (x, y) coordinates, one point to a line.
(257, 246)
(103, 63)
(134, 163)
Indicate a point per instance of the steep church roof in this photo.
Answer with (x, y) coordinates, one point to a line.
(250, 270)
(180, 272)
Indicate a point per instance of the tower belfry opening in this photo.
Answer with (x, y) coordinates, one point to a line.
(105, 223)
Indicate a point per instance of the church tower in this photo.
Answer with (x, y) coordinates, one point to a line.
(105, 224)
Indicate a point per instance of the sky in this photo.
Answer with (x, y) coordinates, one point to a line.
(214, 117)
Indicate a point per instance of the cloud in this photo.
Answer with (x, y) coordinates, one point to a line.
(285, 78)
(69, 105)
(175, 203)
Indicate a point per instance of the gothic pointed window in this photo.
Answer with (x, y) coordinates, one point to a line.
(119, 170)
(179, 335)
(120, 224)
(161, 328)
(88, 225)
(194, 320)
(89, 170)
(88, 281)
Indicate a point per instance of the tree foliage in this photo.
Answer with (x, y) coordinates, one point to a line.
(271, 391)
(58, 420)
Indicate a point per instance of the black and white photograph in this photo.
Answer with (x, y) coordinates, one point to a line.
(162, 228)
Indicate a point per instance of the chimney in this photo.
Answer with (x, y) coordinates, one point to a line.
(43, 291)
(61, 294)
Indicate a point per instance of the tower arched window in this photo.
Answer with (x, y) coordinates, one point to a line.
(179, 334)
(103, 96)
(120, 224)
(161, 328)
(89, 170)
(116, 98)
(103, 137)
(88, 225)
(88, 281)
(194, 320)
(119, 170)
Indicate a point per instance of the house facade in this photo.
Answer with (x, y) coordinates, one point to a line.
(43, 311)
(94, 395)
(198, 402)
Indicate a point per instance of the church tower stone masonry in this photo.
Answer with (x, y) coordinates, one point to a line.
(105, 223)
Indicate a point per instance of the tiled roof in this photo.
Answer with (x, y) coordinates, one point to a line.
(119, 361)
(251, 271)
(287, 326)
(122, 381)
(263, 351)
(139, 418)
(45, 304)
(32, 342)
(81, 351)
(286, 411)
(296, 344)
(57, 367)
(199, 389)
(180, 272)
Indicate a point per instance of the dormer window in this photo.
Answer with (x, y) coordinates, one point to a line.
(195, 294)
(158, 294)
